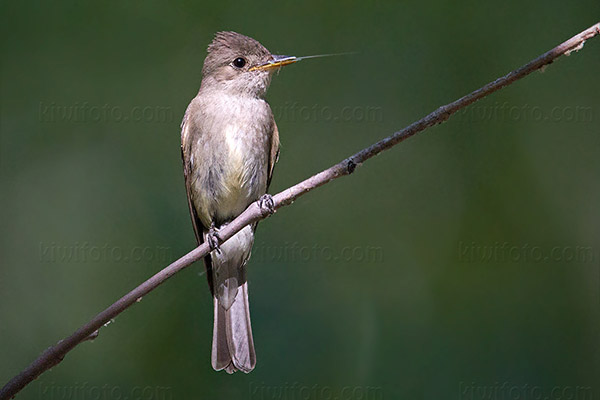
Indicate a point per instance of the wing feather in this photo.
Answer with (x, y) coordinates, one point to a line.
(199, 228)
(274, 153)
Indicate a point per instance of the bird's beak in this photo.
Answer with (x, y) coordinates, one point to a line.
(276, 62)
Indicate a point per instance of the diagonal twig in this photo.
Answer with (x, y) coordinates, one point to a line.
(55, 354)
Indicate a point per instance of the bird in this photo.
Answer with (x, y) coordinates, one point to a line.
(229, 146)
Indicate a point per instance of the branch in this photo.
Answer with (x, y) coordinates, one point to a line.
(55, 354)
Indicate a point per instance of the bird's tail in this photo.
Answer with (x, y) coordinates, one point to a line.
(233, 346)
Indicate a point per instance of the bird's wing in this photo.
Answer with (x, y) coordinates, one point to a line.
(199, 228)
(274, 152)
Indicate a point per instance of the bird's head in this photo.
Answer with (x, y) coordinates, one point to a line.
(240, 65)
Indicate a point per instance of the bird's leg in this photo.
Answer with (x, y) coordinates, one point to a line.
(267, 204)
(213, 239)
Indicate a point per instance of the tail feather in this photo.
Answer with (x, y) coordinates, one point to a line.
(233, 345)
(221, 357)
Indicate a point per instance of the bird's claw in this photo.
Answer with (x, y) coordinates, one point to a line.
(267, 204)
(213, 239)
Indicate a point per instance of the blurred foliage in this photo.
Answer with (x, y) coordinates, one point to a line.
(421, 276)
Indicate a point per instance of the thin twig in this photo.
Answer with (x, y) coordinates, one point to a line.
(55, 354)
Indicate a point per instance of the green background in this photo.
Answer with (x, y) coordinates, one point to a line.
(375, 286)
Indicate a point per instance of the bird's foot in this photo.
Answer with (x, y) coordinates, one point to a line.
(266, 204)
(213, 239)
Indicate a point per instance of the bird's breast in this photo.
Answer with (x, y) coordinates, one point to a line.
(230, 155)
(244, 168)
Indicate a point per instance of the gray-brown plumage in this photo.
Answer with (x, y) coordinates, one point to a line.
(229, 144)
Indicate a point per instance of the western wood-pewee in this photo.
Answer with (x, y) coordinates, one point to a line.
(229, 144)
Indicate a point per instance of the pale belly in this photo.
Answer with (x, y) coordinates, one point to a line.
(235, 177)
(244, 177)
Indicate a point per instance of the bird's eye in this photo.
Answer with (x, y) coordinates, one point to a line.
(239, 62)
